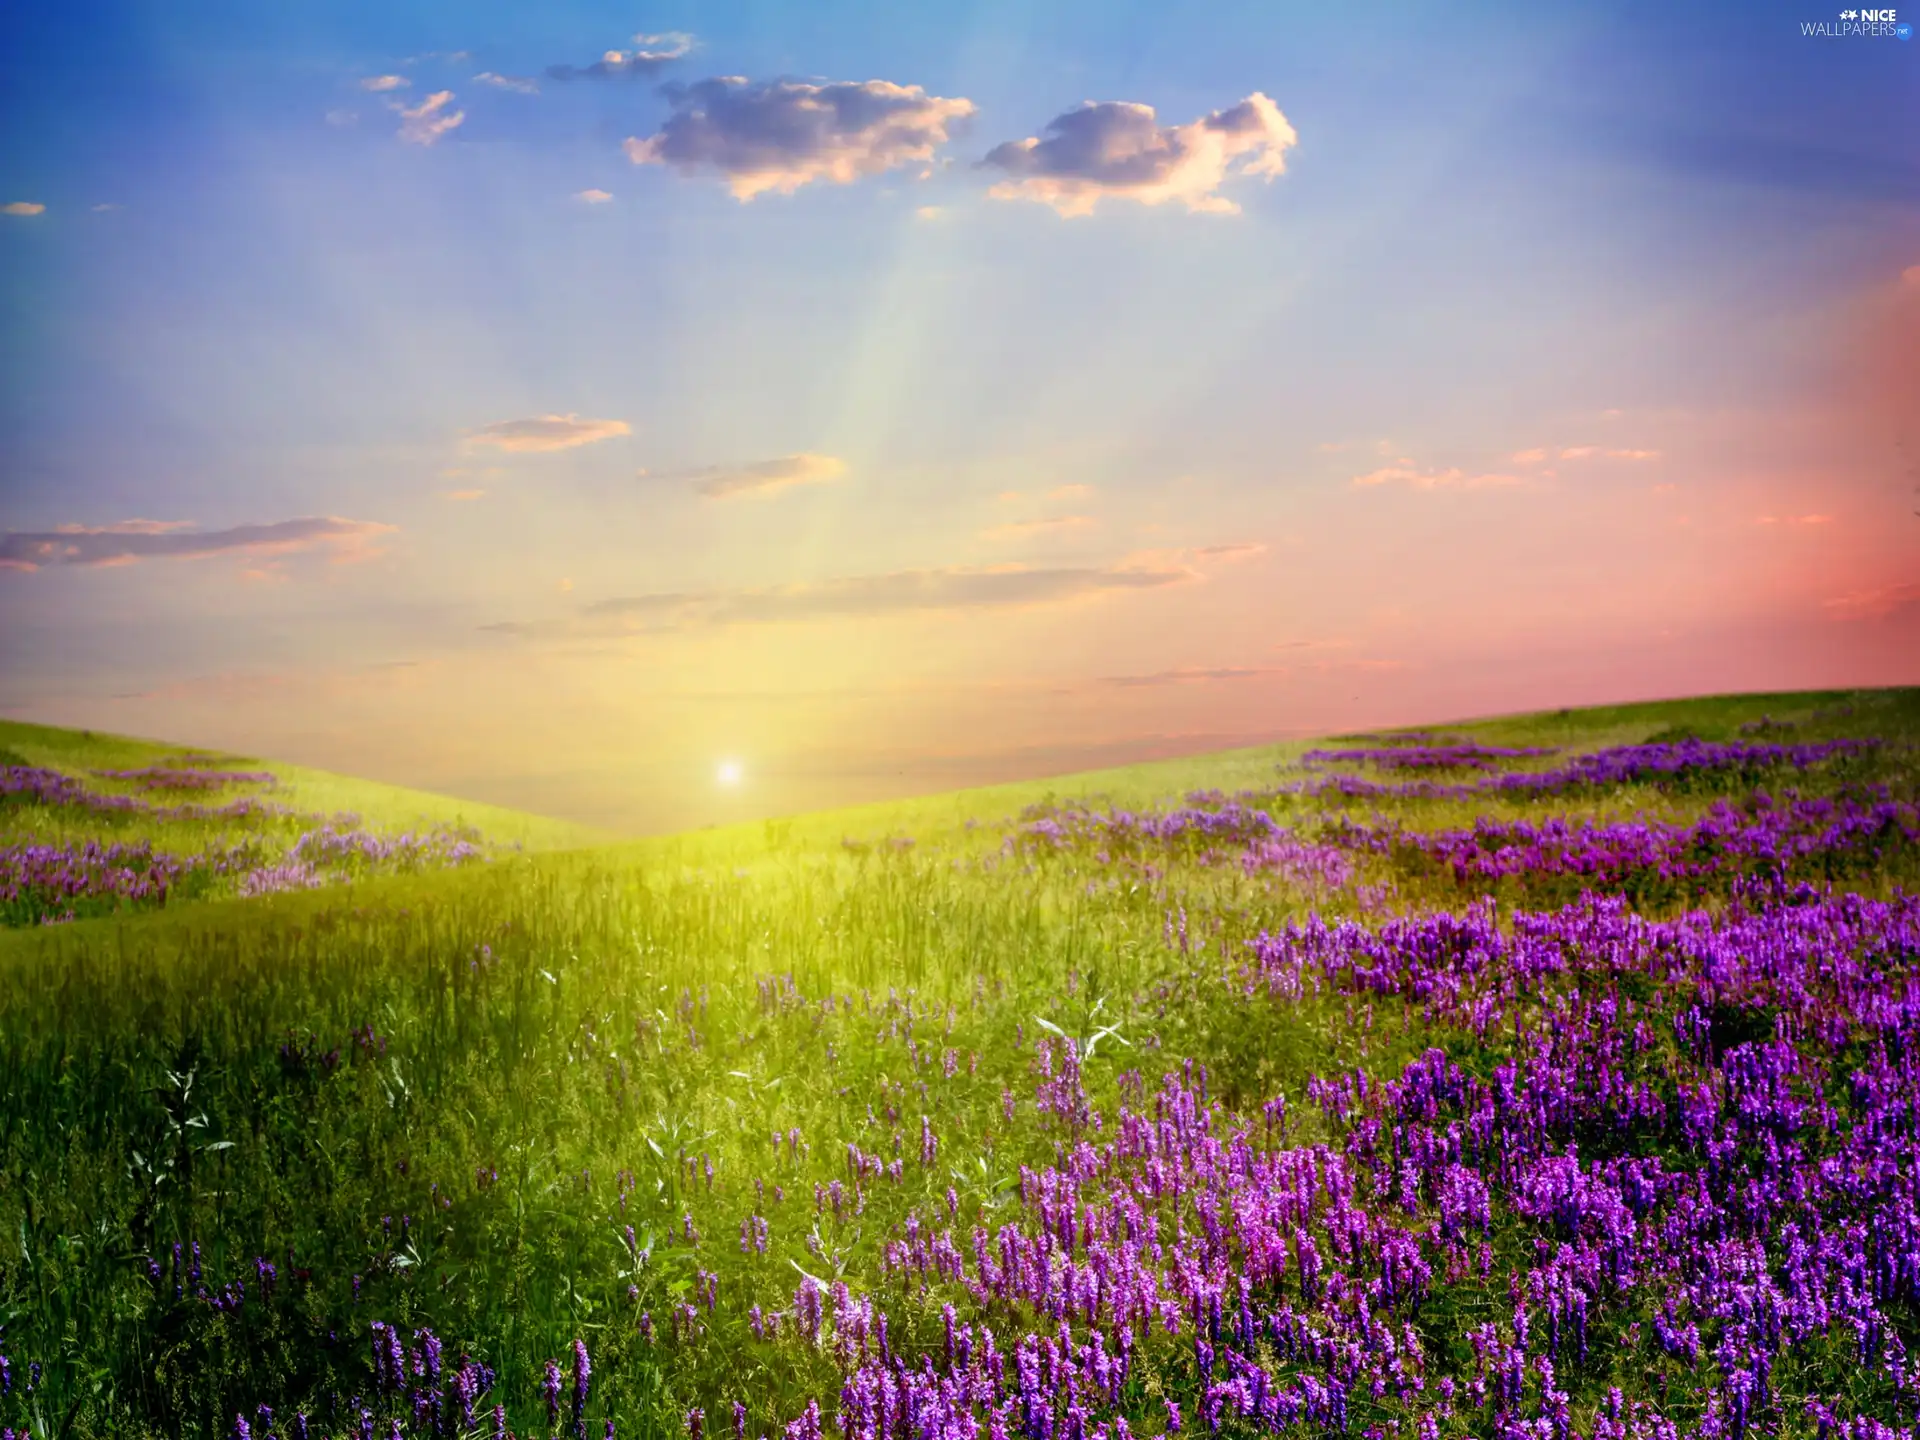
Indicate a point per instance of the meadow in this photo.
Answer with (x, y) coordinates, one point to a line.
(1550, 1076)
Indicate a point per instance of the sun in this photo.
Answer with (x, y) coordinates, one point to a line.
(730, 773)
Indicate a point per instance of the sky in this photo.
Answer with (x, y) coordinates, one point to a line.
(664, 414)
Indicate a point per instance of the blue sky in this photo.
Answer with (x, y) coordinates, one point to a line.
(1668, 253)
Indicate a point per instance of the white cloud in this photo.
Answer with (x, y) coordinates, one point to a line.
(520, 84)
(593, 197)
(1118, 150)
(430, 119)
(650, 53)
(381, 84)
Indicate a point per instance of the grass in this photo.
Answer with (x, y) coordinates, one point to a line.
(84, 753)
(439, 1101)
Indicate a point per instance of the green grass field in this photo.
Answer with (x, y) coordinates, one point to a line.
(532, 1100)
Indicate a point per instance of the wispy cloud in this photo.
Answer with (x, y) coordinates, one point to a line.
(593, 197)
(1037, 529)
(761, 477)
(544, 433)
(1117, 150)
(1793, 519)
(1405, 473)
(23, 207)
(130, 541)
(382, 84)
(461, 494)
(650, 54)
(519, 84)
(1189, 675)
(857, 596)
(1070, 492)
(1601, 452)
(1875, 604)
(782, 134)
(1237, 550)
(430, 119)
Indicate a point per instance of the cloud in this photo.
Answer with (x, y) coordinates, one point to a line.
(1875, 604)
(546, 433)
(782, 134)
(593, 197)
(131, 541)
(340, 119)
(23, 207)
(381, 84)
(1034, 529)
(1331, 643)
(651, 53)
(1116, 150)
(519, 84)
(1793, 519)
(1070, 492)
(857, 596)
(929, 212)
(461, 494)
(1530, 457)
(1404, 472)
(1238, 550)
(762, 477)
(1596, 452)
(430, 119)
(1188, 675)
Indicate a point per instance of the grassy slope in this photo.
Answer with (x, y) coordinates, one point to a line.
(385, 807)
(565, 1058)
(932, 821)
(1892, 714)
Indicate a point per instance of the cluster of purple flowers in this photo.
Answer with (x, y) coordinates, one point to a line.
(1679, 765)
(356, 851)
(52, 882)
(42, 883)
(186, 774)
(1712, 1207)
(33, 785)
(1817, 838)
(1672, 763)
(1458, 755)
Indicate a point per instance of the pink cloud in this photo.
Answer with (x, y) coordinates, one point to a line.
(1404, 472)
(545, 433)
(1118, 150)
(1875, 604)
(430, 119)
